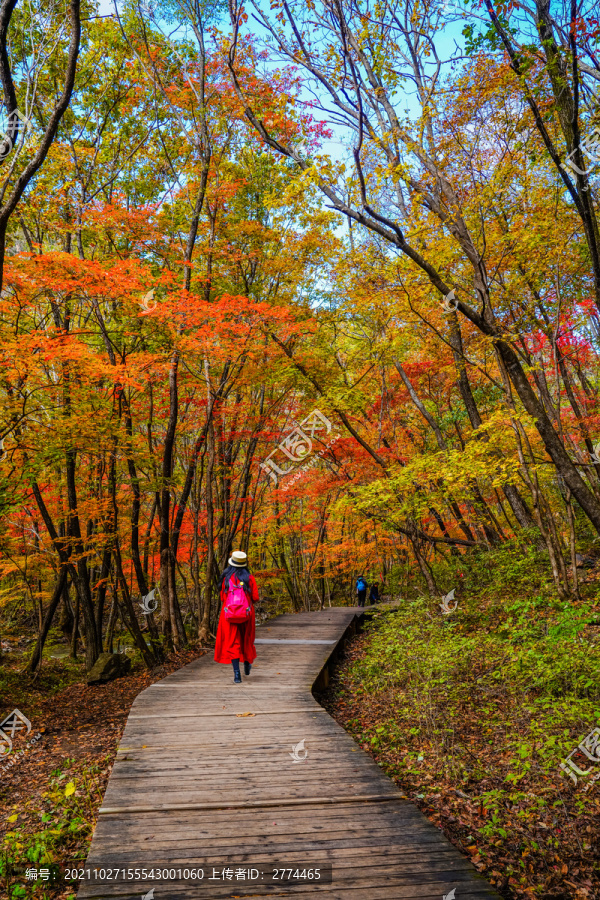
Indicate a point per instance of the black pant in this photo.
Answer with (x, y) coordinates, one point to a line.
(362, 596)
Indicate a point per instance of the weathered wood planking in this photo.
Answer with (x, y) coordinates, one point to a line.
(199, 784)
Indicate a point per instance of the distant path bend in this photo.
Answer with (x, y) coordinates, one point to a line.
(197, 783)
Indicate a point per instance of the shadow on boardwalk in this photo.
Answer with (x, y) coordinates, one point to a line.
(208, 797)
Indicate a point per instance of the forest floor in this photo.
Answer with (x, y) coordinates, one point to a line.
(49, 799)
(471, 715)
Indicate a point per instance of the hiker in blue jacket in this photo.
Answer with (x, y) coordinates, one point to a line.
(374, 593)
(361, 589)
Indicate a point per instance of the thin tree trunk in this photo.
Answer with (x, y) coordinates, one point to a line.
(204, 618)
(36, 657)
(75, 634)
(424, 567)
(572, 546)
(129, 614)
(167, 580)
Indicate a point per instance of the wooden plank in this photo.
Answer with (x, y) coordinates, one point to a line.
(291, 641)
(206, 842)
(229, 802)
(321, 847)
(196, 782)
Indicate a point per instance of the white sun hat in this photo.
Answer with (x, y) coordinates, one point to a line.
(238, 559)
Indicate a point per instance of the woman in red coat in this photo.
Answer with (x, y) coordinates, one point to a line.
(236, 642)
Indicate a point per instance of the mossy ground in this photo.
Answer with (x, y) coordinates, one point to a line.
(471, 713)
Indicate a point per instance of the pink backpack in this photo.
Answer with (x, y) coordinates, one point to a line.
(237, 607)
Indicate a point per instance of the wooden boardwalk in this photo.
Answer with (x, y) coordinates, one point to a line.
(205, 777)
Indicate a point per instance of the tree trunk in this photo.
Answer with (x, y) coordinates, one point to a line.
(204, 615)
(129, 614)
(75, 634)
(167, 577)
(426, 571)
(36, 657)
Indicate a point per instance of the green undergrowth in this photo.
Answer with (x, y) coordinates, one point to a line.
(65, 823)
(19, 688)
(30, 692)
(486, 702)
(532, 667)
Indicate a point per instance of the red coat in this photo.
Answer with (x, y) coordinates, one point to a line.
(236, 641)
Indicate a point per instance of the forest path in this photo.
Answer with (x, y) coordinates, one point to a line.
(200, 784)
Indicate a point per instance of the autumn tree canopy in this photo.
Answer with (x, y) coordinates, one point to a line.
(319, 281)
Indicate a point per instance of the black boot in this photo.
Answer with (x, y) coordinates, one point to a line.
(247, 668)
(237, 678)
